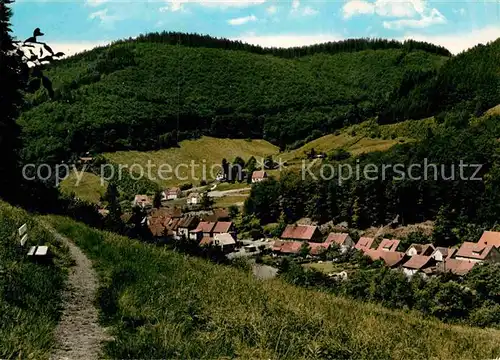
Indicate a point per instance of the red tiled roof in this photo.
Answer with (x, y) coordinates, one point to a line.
(277, 245)
(490, 238)
(318, 248)
(337, 238)
(457, 267)
(205, 226)
(388, 244)
(418, 262)
(291, 247)
(259, 174)
(299, 232)
(390, 258)
(188, 222)
(474, 251)
(422, 249)
(222, 227)
(207, 240)
(364, 243)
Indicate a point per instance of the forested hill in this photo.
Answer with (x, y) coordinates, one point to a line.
(467, 84)
(133, 94)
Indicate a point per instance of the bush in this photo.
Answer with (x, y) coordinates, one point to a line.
(186, 186)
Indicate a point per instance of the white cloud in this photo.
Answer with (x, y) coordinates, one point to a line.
(458, 42)
(357, 7)
(298, 10)
(102, 15)
(460, 11)
(178, 5)
(241, 20)
(289, 40)
(309, 11)
(414, 13)
(273, 9)
(388, 8)
(434, 18)
(94, 3)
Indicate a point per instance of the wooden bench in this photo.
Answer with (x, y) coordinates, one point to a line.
(34, 252)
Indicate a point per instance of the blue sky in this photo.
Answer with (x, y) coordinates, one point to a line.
(72, 26)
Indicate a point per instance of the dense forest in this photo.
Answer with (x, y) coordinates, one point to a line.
(437, 189)
(149, 94)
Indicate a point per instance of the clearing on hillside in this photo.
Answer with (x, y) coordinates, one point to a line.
(88, 188)
(206, 151)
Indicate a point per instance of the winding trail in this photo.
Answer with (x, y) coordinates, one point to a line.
(78, 334)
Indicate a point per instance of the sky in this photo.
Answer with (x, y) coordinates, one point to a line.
(74, 26)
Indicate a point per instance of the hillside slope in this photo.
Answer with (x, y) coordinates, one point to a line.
(134, 95)
(161, 304)
(30, 293)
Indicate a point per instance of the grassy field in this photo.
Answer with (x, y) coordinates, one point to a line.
(357, 139)
(161, 304)
(30, 294)
(207, 150)
(226, 201)
(88, 189)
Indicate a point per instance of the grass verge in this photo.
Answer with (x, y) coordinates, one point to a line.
(30, 294)
(161, 304)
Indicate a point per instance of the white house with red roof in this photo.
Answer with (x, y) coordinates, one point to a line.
(258, 176)
(343, 240)
(301, 232)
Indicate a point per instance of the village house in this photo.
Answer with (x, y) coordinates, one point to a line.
(419, 249)
(225, 241)
(418, 263)
(258, 176)
(301, 232)
(142, 201)
(193, 199)
(317, 248)
(287, 247)
(206, 228)
(442, 253)
(343, 240)
(490, 238)
(388, 245)
(171, 194)
(391, 259)
(477, 252)
(185, 225)
(364, 243)
(457, 267)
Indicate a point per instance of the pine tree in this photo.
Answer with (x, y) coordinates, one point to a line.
(10, 102)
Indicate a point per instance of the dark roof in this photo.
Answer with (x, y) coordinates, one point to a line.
(418, 262)
(389, 245)
(455, 266)
(474, 251)
(337, 238)
(299, 232)
(206, 226)
(222, 227)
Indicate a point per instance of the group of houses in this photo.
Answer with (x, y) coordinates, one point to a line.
(425, 259)
(146, 202)
(208, 229)
(294, 237)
